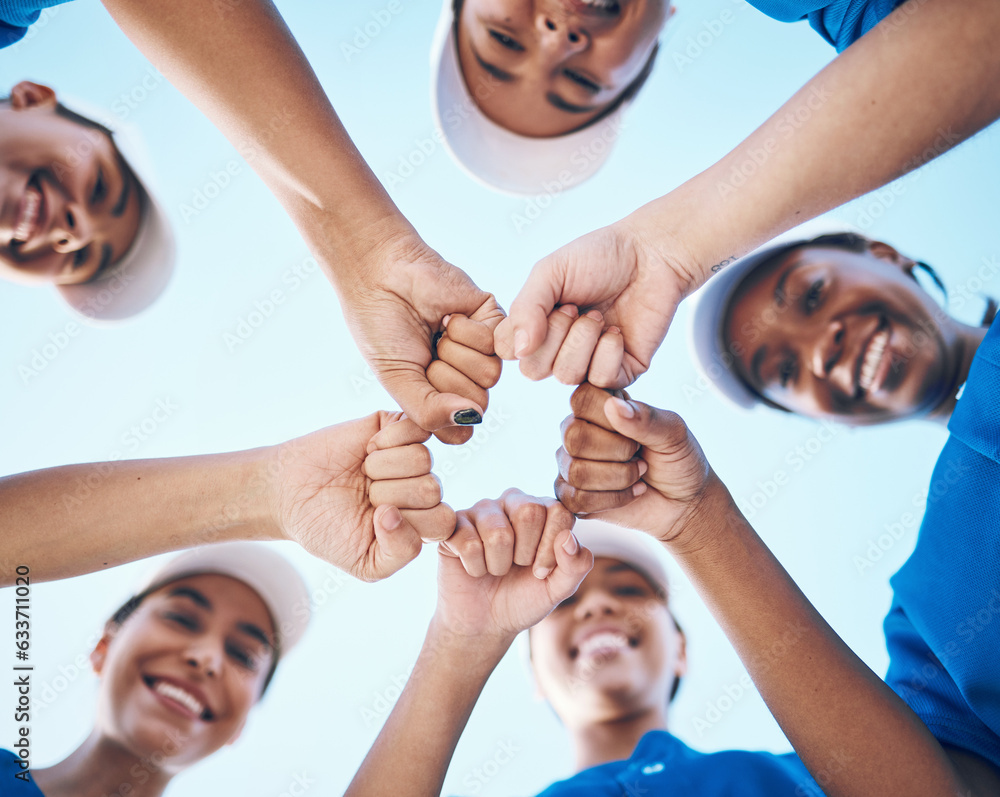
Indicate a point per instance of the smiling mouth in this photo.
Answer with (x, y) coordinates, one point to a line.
(27, 224)
(871, 359)
(176, 694)
(604, 643)
(603, 7)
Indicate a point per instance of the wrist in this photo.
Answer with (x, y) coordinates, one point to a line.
(709, 518)
(482, 649)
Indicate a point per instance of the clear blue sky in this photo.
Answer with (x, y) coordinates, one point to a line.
(299, 371)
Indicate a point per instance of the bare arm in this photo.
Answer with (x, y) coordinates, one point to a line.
(477, 618)
(854, 734)
(330, 491)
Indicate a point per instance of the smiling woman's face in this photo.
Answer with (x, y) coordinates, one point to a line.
(543, 68)
(182, 672)
(609, 651)
(830, 333)
(68, 203)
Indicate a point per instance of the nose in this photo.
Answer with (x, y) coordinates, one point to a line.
(560, 38)
(204, 658)
(596, 603)
(827, 350)
(72, 228)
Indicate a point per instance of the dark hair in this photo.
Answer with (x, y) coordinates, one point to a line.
(127, 609)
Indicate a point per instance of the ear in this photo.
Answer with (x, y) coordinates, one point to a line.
(100, 652)
(31, 95)
(890, 255)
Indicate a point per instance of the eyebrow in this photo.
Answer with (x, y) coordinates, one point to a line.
(558, 102)
(779, 288)
(758, 359)
(492, 69)
(105, 259)
(119, 207)
(257, 633)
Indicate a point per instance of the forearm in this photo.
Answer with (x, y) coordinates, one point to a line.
(852, 732)
(240, 65)
(67, 521)
(924, 79)
(418, 740)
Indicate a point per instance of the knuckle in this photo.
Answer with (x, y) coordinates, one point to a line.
(429, 491)
(531, 514)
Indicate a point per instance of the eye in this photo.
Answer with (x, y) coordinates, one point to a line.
(100, 187)
(813, 296)
(81, 256)
(629, 591)
(786, 370)
(243, 657)
(579, 79)
(506, 41)
(183, 620)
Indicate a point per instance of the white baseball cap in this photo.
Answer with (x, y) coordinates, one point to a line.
(267, 573)
(140, 276)
(708, 318)
(492, 154)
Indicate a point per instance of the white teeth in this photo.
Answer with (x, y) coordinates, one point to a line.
(602, 4)
(606, 640)
(29, 215)
(183, 697)
(873, 359)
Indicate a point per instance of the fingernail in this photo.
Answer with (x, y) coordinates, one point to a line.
(520, 343)
(445, 320)
(569, 309)
(596, 315)
(614, 330)
(626, 409)
(542, 572)
(467, 418)
(391, 518)
(571, 546)
(639, 488)
(643, 467)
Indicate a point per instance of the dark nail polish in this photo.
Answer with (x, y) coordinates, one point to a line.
(467, 417)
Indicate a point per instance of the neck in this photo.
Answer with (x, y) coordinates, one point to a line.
(968, 340)
(614, 740)
(99, 767)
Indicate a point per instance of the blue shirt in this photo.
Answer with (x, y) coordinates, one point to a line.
(662, 764)
(10, 765)
(943, 628)
(841, 22)
(17, 15)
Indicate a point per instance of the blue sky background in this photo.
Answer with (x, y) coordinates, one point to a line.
(300, 371)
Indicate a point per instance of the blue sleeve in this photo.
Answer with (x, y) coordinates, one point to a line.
(841, 22)
(15, 781)
(943, 630)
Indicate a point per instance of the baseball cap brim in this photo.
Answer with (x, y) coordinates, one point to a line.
(495, 156)
(267, 573)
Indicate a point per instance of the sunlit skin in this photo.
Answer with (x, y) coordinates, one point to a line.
(68, 204)
(543, 68)
(210, 635)
(609, 696)
(830, 333)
